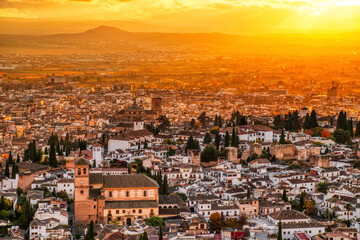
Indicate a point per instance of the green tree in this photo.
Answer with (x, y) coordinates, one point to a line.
(10, 158)
(14, 170)
(154, 221)
(90, 235)
(165, 186)
(18, 158)
(313, 119)
(192, 144)
(216, 121)
(52, 156)
(210, 154)
(342, 121)
(342, 137)
(7, 170)
(63, 195)
(302, 201)
(278, 122)
(161, 234)
(203, 118)
(307, 123)
(182, 196)
(279, 235)
(227, 139)
(350, 127)
(26, 214)
(145, 144)
(19, 191)
(323, 187)
(284, 196)
(164, 123)
(282, 137)
(192, 124)
(292, 121)
(217, 141)
(207, 138)
(234, 139)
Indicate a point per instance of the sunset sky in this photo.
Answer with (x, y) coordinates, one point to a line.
(229, 16)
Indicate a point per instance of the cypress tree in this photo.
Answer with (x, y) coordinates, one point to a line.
(90, 232)
(282, 137)
(216, 121)
(52, 156)
(345, 127)
(350, 127)
(217, 141)
(18, 158)
(34, 152)
(165, 186)
(284, 196)
(313, 119)
(279, 235)
(340, 121)
(302, 201)
(307, 124)
(207, 138)
(161, 235)
(145, 144)
(227, 139)
(13, 170)
(234, 139)
(220, 121)
(10, 158)
(7, 170)
(145, 236)
(159, 181)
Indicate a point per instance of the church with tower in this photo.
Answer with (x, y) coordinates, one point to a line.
(136, 113)
(119, 199)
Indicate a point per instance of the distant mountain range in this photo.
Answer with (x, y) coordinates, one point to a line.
(120, 39)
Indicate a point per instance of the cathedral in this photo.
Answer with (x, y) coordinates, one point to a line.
(119, 199)
(137, 113)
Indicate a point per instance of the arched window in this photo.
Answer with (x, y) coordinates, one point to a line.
(127, 193)
(84, 170)
(144, 193)
(110, 194)
(79, 171)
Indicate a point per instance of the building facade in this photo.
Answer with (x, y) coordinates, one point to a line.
(119, 199)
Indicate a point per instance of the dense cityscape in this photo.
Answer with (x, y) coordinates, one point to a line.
(112, 134)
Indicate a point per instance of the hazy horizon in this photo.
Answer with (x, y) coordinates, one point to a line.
(223, 16)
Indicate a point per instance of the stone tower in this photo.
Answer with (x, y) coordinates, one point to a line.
(156, 105)
(81, 196)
